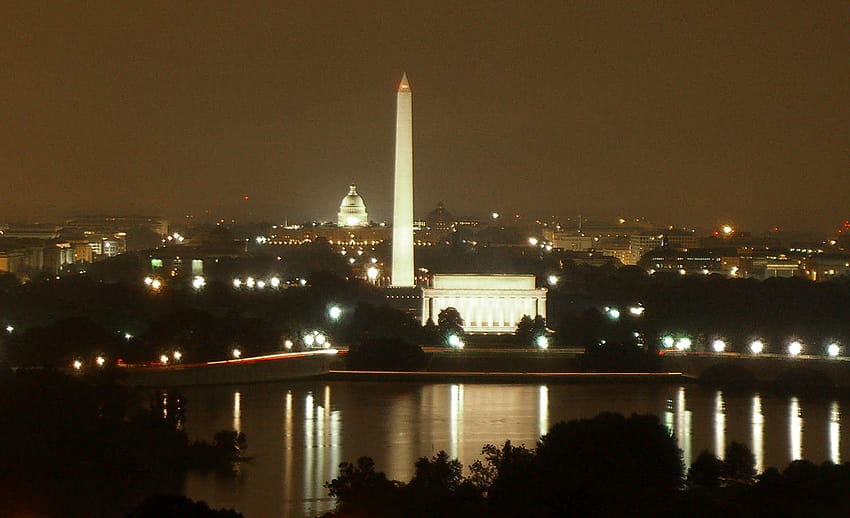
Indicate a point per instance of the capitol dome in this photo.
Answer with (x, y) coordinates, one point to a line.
(352, 210)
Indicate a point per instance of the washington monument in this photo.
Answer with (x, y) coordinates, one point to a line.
(402, 274)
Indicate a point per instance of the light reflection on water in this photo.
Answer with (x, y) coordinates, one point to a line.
(323, 424)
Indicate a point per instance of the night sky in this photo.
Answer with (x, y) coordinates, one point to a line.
(683, 112)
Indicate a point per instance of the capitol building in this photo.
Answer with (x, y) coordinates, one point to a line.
(352, 210)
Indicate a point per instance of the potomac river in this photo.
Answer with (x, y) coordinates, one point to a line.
(299, 432)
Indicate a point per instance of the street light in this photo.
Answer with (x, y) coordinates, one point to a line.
(718, 345)
(795, 348)
(236, 353)
(756, 346)
(683, 344)
(553, 280)
(542, 342)
(335, 312)
(100, 360)
(833, 350)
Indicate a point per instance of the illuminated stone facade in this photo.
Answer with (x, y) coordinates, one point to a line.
(487, 303)
(352, 210)
(402, 267)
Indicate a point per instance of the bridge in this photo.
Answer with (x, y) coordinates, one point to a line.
(764, 368)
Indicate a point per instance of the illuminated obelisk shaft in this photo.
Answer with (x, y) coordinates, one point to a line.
(402, 274)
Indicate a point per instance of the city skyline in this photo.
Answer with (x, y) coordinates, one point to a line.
(678, 113)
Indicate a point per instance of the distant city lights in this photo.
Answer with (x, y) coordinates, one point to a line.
(100, 360)
(236, 353)
(198, 282)
(163, 359)
(553, 280)
(10, 328)
(372, 273)
(636, 310)
(683, 344)
(177, 355)
(756, 346)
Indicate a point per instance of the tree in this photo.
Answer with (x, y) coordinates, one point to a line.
(528, 329)
(705, 471)
(361, 489)
(438, 472)
(739, 464)
(449, 322)
(179, 507)
(525, 331)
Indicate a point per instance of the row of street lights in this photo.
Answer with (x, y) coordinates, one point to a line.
(794, 347)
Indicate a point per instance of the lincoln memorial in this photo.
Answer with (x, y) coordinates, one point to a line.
(487, 303)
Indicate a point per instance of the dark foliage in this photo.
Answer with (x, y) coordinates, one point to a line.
(89, 447)
(386, 354)
(576, 470)
(179, 507)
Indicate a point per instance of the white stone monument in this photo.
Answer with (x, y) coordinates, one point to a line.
(402, 268)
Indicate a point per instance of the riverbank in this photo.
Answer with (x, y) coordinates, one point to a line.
(510, 377)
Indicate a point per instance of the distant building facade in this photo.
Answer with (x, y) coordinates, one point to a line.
(487, 303)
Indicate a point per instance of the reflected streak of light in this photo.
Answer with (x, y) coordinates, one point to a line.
(287, 453)
(327, 400)
(336, 441)
(237, 411)
(758, 433)
(456, 419)
(683, 427)
(719, 425)
(835, 433)
(308, 449)
(543, 410)
(796, 429)
(319, 445)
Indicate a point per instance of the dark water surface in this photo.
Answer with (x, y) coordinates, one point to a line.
(299, 432)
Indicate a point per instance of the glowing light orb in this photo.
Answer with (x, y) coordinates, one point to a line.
(795, 348)
(335, 312)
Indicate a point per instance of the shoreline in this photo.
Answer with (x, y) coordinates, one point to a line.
(510, 377)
